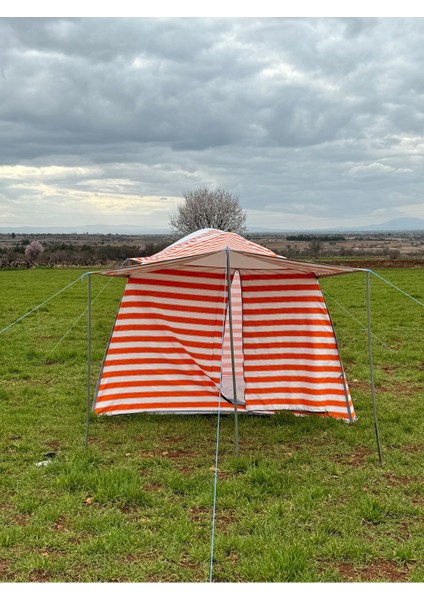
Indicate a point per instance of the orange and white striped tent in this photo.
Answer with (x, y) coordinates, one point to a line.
(215, 319)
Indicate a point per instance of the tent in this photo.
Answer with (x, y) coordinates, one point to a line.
(216, 322)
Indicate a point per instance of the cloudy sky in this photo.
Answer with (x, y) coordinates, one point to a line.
(312, 122)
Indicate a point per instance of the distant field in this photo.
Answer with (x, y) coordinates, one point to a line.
(306, 500)
(84, 249)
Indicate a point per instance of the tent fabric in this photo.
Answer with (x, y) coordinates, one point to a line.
(170, 349)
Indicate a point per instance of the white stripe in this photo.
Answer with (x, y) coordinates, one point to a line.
(267, 398)
(200, 377)
(249, 354)
(281, 294)
(287, 372)
(155, 400)
(147, 365)
(206, 410)
(297, 407)
(266, 386)
(286, 338)
(288, 362)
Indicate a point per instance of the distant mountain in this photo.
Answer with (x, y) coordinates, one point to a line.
(92, 229)
(400, 224)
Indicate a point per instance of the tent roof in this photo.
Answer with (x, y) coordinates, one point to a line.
(206, 249)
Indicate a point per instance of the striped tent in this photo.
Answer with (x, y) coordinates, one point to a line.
(216, 320)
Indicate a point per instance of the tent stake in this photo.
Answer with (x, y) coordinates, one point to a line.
(233, 367)
(371, 366)
(87, 419)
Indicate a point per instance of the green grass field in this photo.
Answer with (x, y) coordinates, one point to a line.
(306, 499)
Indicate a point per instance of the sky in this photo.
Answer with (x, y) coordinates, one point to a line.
(313, 122)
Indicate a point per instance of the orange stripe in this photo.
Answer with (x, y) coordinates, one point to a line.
(248, 346)
(313, 368)
(170, 382)
(152, 349)
(282, 288)
(160, 361)
(218, 322)
(293, 378)
(187, 372)
(150, 339)
(249, 300)
(284, 322)
(182, 273)
(173, 295)
(180, 284)
(166, 328)
(316, 310)
(279, 276)
(156, 394)
(279, 334)
(181, 308)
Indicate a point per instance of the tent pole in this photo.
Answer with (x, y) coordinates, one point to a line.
(342, 373)
(371, 366)
(233, 367)
(87, 418)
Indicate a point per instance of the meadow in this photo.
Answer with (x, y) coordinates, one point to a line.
(305, 500)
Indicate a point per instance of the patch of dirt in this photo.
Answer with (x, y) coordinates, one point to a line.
(358, 458)
(398, 479)
(53, 446)
(39, 576)
(382, 570)
(175, 439)
(178, 453)
(60, 524)
(4, 570)
(225, 518)
(22, 519)
(412, 448)
(152, 487)
(198, 513)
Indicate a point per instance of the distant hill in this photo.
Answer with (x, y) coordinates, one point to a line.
(91, 229)
(400, 224)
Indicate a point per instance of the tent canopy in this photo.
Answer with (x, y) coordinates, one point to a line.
(207, 249)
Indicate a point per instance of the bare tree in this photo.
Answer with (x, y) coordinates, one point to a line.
(33, 251)
(203, 208)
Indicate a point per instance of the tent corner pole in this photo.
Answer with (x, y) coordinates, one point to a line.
(233, 368)
(87, 417)
(371, 365)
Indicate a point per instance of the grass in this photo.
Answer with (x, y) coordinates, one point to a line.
(306, 500)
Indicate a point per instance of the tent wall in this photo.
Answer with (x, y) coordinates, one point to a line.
(165, 351)
(291, 360)
(168, 348)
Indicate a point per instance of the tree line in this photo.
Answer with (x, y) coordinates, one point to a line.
(31, 253)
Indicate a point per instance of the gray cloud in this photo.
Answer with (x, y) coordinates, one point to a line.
(316, 120)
